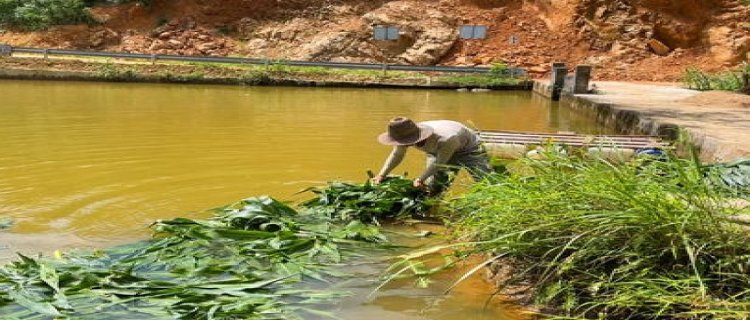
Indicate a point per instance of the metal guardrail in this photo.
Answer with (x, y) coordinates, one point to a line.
(267, 62)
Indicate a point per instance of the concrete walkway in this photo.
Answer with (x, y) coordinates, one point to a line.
(717, 122)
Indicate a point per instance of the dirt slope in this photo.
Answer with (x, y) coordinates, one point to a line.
(625, 39)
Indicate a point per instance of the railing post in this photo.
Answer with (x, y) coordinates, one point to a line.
(6, 50)
(559, 71)
(153, 58)
(46, 54)
(385, 69)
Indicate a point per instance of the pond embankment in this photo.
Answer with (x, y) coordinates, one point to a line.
(717, 123)
(36, 68)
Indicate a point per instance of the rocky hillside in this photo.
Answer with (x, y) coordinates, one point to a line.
(650, 40)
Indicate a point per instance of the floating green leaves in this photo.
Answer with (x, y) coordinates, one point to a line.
(733, 176)
(251, 261)
(393, 198)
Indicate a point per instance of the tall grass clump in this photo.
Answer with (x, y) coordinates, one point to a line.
(643, 240)
(736, 80)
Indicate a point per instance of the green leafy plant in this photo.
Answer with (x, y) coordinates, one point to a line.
(114, 72)
(736, 80)
(734, 176)
(499, 69)
(394, 198)
(250, 261)
(254, 77)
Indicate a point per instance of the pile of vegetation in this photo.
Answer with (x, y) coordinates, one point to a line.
(250, 261)
(644, 240)
(737, 80)
(733, 176)
(393, 200)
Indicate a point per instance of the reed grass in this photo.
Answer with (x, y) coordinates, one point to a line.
(644, 240)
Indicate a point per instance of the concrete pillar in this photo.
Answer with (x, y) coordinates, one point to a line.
(5, 50)
(581, 79)
(559, 71)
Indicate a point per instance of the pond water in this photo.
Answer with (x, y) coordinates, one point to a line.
(93, 164)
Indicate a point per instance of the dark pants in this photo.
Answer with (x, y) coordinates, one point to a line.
(476, 162)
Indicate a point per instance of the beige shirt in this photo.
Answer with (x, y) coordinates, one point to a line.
(448, 139)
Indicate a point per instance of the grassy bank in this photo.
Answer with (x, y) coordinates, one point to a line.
(239, 74)
(644, 240)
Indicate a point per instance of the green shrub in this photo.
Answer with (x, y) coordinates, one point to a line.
(499, 69)
(114, 72)
(255, 78)
(41, 14)
(695, 78)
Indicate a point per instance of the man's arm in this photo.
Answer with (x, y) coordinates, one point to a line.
(397, 155)
(444, 154)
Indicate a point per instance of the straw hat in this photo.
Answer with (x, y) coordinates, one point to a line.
(403, 131)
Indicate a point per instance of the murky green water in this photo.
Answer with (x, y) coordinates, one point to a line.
(92, 164)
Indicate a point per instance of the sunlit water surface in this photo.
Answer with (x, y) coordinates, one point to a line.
(93, 164)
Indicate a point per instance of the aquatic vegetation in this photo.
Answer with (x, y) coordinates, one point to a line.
(394, 198)
(734, 176)
(643, 240)
(250, 261)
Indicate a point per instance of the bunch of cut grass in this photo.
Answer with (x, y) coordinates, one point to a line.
(394, 198)
(252, 260)
(637, 241)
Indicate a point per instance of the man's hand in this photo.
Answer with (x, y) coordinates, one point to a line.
(418, 183)
(377, 179)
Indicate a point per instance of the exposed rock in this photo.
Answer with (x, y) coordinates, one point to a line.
(433, 31)
(658, 47)
(166, 35)
(538, 69)
(725, 48)
(175, 44)
(156, 46)
(257, 44)
(711, 34)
